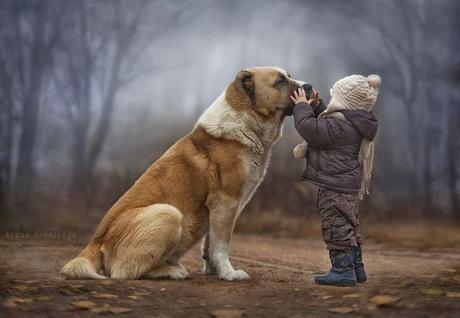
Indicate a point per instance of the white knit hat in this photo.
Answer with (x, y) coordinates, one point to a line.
(356, 92)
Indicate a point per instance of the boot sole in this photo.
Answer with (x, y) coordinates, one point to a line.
(342, 283)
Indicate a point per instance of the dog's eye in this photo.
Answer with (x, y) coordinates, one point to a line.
(288, 75)
(280, 80)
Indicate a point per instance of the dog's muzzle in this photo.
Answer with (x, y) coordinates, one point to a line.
(300, 83)
(289, 110)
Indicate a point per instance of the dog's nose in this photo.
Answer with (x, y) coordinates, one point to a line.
(307, 87)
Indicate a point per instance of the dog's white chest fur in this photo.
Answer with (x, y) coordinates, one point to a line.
(222, 121)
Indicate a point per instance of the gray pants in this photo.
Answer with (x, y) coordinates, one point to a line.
(339, 219)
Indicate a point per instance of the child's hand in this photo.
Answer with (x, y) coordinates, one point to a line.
(299, 96)
(314, 101)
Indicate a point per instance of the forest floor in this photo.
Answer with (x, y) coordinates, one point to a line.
(402, 282)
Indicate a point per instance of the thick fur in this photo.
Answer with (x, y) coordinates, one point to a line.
(195, 190)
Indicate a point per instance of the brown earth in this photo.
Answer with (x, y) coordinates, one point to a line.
(414, 283)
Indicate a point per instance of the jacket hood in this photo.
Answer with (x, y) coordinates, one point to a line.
(365, 122)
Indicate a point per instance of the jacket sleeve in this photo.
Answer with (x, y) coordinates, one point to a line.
(313, 130)
(320, 108)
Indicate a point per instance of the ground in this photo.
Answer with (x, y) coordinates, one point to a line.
(402, 283)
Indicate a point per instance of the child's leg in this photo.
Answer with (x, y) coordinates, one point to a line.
(361, 276)
(339, 219)
(338, 224)
(345, 229)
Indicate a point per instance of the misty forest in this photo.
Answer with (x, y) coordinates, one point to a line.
(93, 92)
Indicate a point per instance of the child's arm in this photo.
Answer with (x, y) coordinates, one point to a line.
(316, 103)
(312, 129)
(319, 108)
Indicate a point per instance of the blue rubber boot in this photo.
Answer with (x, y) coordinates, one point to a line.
(361, 276)
(342, 272)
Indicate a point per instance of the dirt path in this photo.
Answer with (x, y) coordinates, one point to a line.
(415, 284)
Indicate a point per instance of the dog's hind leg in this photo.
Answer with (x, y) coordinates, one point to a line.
(142, 240)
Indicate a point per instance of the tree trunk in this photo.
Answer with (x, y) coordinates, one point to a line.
(452, 152)
(25, 169)
(6, 138)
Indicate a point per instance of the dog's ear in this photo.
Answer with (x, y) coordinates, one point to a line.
(245, 84)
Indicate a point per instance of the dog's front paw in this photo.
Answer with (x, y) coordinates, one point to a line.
(234, 275)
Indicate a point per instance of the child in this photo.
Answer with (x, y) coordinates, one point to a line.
(339, 160)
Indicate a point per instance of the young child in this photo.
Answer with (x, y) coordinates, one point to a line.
(339, 160)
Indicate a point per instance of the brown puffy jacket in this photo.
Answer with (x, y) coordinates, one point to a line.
(333, 146)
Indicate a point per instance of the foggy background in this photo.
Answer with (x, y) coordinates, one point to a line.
(93, 92)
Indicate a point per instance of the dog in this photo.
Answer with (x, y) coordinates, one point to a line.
(195, 190)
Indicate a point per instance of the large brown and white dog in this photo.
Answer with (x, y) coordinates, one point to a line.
(196, 190)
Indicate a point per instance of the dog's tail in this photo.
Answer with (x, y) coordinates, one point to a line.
(86, 265)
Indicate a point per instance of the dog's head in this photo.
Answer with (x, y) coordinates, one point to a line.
(263, 91)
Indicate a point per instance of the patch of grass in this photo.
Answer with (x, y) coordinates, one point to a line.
(415, 234)
(397, 232)
(279, 224)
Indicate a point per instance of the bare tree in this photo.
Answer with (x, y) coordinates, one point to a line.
(95, 60)
(26, 42)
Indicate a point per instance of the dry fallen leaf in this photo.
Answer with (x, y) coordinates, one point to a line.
(84, 304)
(431, 292)
(119, 310)
(107, 296)
(43, 298)
(99, 310)
(141, 293)
(453, 295)
(456, 278)
(448, 270)
(21, 287)
(384, 300)
(341, 310)
(14, 301)
(133, 297)
(227, 313)
(371, 307)
(107, 282)
(326, 297)
(351, 296)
